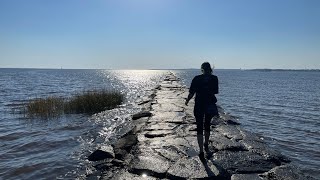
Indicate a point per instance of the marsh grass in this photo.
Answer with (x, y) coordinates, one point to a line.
(88, 102)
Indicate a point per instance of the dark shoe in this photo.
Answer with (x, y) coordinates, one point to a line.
(201, 156)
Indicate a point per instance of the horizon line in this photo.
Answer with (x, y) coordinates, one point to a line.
(263, 69)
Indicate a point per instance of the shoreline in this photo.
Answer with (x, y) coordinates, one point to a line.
(162, 144)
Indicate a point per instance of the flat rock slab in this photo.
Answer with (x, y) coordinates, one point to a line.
(179, 101)
(156, 166)
(160, 126)
(168, 141)
(242, 162)
(193, 168)
(175, 117)
(170, 107)
(158, 133)
(169, 153)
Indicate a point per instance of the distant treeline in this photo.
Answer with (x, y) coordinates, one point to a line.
(266, 70)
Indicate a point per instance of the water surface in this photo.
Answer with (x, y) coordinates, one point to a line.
(58, 148)
(282, 106)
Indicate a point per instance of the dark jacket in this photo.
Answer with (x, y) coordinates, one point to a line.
(205, 87)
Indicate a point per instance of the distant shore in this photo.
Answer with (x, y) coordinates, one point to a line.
(231, 69)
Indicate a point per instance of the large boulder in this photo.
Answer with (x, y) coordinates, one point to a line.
(124, 145)
(104, 152)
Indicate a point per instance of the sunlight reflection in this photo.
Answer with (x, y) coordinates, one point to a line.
(144, 175)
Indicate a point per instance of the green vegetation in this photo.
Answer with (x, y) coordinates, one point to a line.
(88, 102)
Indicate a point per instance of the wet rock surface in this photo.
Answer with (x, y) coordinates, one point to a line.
(163, 145)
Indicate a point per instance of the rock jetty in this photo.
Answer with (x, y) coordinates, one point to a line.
(162, 144)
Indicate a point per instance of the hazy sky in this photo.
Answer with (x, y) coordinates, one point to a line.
(140, 34)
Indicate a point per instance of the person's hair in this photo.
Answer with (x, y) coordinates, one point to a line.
(206, 68)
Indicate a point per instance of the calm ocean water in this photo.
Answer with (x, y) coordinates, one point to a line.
(282, 106)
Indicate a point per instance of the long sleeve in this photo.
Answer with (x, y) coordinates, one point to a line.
(193, 86)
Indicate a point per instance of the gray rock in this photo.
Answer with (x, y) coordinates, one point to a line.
(139, 124)
(168, 107)
(228, 118)
(230, 131)
(193, 168)
(242, 162)
(146, 106)
(168, 94)
(160, 126)
(250, 136)
(246, 177)
(257, 145)
(217, 122)
(102, 153)
(158, 133)
(141, 114)
(153, 165)
(286, 172)
(118, 162)
(220, 142)
(171, 86)
(174, 117)
(144, 101)
(124, 145)
(178, 143)
(169, 153)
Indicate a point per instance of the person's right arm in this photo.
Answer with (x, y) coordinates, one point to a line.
(192, 91)
(188, 98)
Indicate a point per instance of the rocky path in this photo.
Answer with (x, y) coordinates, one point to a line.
(162, 145)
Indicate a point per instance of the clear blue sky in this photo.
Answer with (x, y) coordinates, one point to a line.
(143, 34)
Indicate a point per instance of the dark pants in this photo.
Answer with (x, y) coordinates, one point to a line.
(199, 120)
(206, 114)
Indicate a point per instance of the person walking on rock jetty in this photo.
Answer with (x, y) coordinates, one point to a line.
(204, 86)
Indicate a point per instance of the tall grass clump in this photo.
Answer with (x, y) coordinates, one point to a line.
(44, 107)
(88, 102)
(93, 102)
